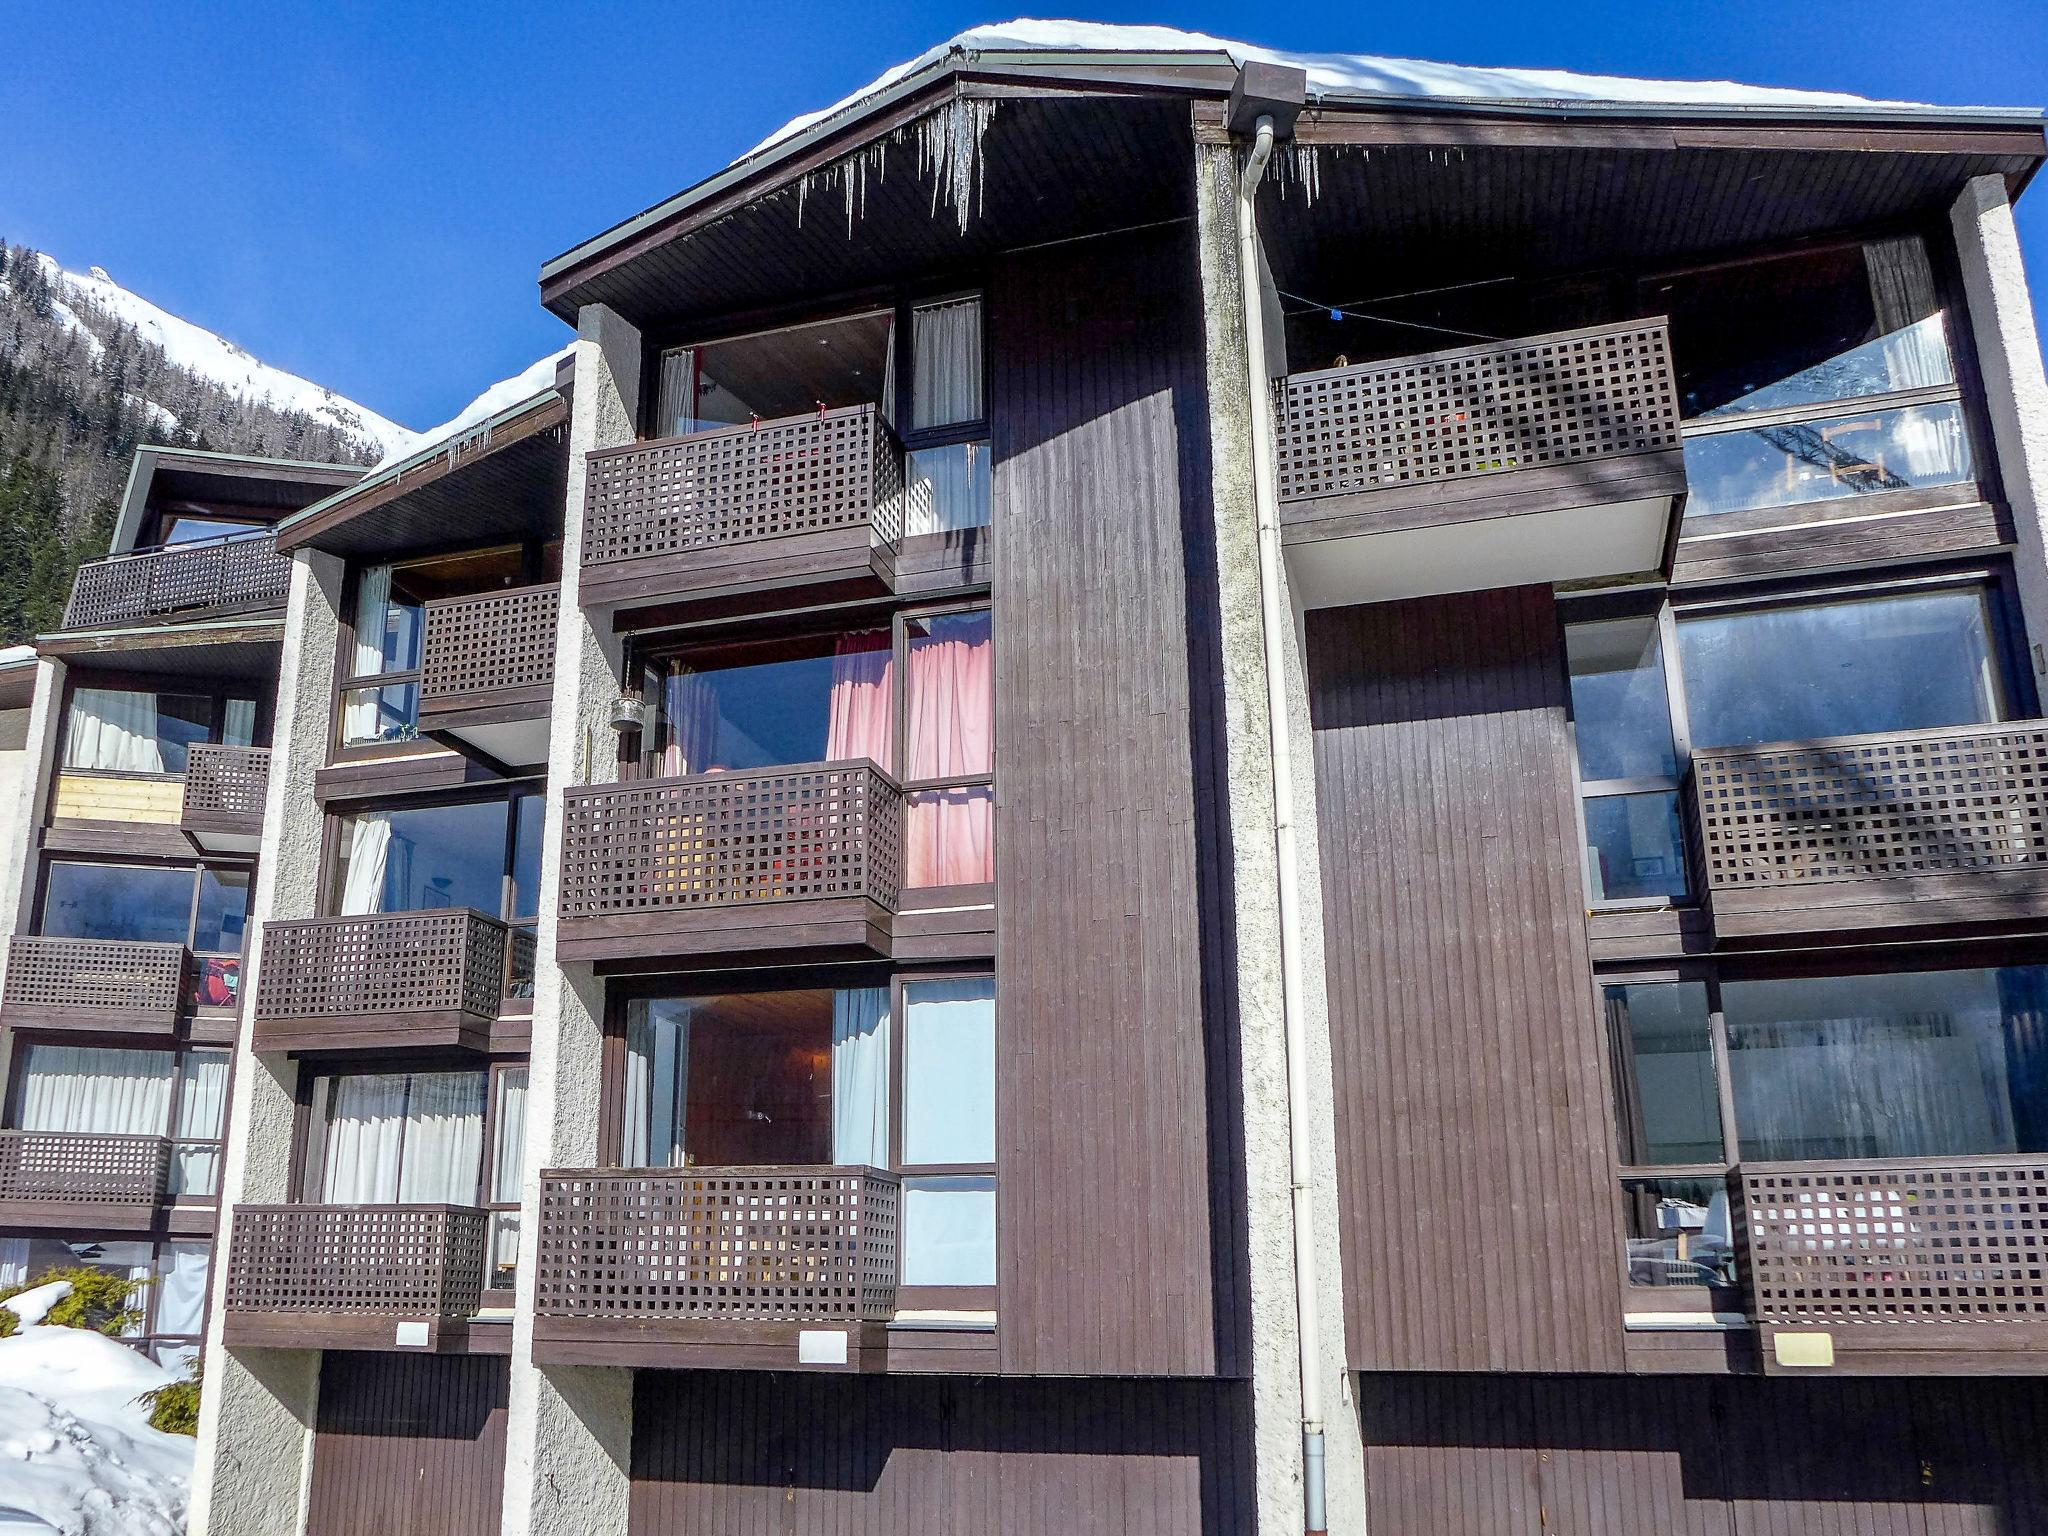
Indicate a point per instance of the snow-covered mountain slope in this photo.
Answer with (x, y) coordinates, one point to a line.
(214, 358)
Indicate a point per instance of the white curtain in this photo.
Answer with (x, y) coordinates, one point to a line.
(202, 1094)
(675, 393)
(657, 1083)
(13, 1262)
(238, 728)
(945, 368)
(946, 489)
(362, 886)
(444, 1139)
(181, 1288)
(95, 1088)
(373, 596)
(363, 1125)
(113, 728)
(860, 1076)
(508, 1153)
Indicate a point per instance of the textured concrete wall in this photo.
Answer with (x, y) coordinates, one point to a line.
(2002, 324)
(256, 1416)
(569, 1432)
(1276, 1381)
(22, 807)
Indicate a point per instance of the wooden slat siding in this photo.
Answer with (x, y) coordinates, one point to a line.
(738, 1453)
(1612, 1456)
(106, 797)
(408, 1445)
(1474, 1166)
(1704, 556)
(1104, 1225)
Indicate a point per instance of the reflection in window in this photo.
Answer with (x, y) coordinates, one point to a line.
(425, 858)
(820, 698)
(1826, 459)
(1906, 1064)
(1635, 847)
(947, 488)
(126, 731)
(774, 374)
(1680, 1231)
(1896, 662)
(135, 903)
(1660, 1046)
(1620, 712)
(388, 624)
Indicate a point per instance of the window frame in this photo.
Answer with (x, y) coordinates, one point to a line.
(912, 1298)
(310, 1126)
(217, 692)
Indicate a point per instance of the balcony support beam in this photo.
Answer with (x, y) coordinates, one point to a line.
(254, 1458)
(569, 1429)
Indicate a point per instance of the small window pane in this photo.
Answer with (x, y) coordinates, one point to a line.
(372, 715)
(949, 1072)
(141, 903)
(531, 811)
(945, 368)
(1679, 1232)
(1895, 662)
(947, 489)
(183, 720)
(1666, 1109)
(949, 1231)
(1620, 711)
(949, 837)
(238, 723)
(1635, 848)
(223, 911)
(951, 709)
(1826, 460)
(508, 1146)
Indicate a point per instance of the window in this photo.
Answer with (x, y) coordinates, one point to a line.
(834, 698)
(1814, 377)
(194, 528)
(508, 1163)
(947, 481)
(169, 1279)
(204, 908)
(396, 1138)
(104, 1090)
(1891, 662)
(126, 730)
(949, 1133)
(380, 691)
(1629, 768)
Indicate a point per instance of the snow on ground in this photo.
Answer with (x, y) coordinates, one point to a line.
(1347, 74)
(76, 1450)
(193, 347)
(504, 394)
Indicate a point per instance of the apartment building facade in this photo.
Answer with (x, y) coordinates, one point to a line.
(1156, 796)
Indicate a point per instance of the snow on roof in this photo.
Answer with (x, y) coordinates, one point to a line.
(76, 1448)
(198, 349)
(1348, 74)
(17, 655)
(501, 396)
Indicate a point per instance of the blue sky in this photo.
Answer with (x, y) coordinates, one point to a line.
(364, 193)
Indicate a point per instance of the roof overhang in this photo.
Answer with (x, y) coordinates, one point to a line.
(263, 487)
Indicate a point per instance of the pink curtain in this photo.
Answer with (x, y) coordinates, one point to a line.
(860, 721)
(951, 723)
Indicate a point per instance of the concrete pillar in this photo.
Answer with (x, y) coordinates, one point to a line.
(256, 1415)
(22, 812)
(569, 1430)
(2016, 390)
(1276, 1374)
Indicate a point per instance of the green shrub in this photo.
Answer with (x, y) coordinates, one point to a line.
(9, 1324)
(100, 1300)
(174, 1407)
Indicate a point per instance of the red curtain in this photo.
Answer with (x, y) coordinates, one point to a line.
(951, 723)
(859, 721)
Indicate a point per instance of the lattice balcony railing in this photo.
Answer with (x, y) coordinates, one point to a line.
(829, 470)
(241, 571)
(769, 834)
(1965, 798)
(224, 782)
(1554, 399)
(494, 642)
(394, 1259)
(112, 978)
(452, 961)
(741, 1244)
(1921, 1240)
(84, 1168)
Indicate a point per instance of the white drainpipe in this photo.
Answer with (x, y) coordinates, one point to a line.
(1278, 626)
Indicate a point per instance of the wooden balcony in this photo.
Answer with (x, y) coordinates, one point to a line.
(387, 981)
(812, 502)
(238, 574)
(102, 985)
(804, 858)
(1902, 830)
(73, 1179)
(715, 1266)
(487, 672)
(1907, 1266)
(354, 1276)
(225, 788)
(1551, 458)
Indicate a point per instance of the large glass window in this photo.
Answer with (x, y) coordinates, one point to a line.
(772, 374)
(1891, 662)
(135, 903)
(1814, 377)
(380, 695)
(168, 1280)
(106, 1090)
(947, 469)
(1906, 1064)
(396, 1138)
(424, 858)
(126, 730)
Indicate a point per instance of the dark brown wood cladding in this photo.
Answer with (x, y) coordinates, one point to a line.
(1109, 1259)
(408, 1445)
(1474, 1163)
(1606, 1456)
(726, 1452)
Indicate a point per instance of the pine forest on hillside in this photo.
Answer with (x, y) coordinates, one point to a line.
(80, 391)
